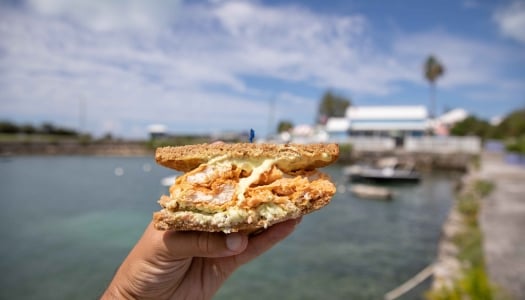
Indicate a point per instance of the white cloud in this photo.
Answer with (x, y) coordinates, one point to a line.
(511, 20)
(110, 15)
(195, 67)
(467, 62)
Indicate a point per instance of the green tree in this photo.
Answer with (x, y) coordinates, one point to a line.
(8, 127)
(513, 125)
(28, 129)
(471, 126)
(284, 126)
(512, 131)
(332, 105)
(433, 69)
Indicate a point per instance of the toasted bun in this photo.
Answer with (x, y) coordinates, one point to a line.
(291, 156)
(189, 221)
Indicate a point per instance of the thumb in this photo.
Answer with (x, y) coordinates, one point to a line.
(185, 244)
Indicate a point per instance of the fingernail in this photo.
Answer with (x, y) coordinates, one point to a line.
(234, 241)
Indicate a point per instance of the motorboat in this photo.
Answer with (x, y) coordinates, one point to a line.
(385, 170)
(371, 192)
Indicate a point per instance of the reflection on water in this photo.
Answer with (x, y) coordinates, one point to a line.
(67, 223)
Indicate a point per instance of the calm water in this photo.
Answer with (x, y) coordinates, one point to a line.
(68, 222)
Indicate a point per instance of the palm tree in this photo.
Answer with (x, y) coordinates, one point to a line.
(433, 69)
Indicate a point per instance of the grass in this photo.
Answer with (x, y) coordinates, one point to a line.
(516, 145)
(483, 187)
(474, 282)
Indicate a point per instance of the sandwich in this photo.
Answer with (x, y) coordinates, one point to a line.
(243, 186)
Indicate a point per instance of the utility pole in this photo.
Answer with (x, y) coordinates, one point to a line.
(81, 115)
(271, 116)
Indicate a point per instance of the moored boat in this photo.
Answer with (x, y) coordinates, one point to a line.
(386, 170)
(371, 192)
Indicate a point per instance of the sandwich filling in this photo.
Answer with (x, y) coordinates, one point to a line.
(226, 192)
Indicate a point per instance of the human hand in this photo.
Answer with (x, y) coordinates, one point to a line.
(188, 265)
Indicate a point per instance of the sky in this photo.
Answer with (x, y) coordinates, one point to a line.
(211, 66)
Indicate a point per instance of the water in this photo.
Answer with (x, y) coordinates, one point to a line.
(68, 222)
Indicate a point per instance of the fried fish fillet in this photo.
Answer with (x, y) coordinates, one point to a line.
(243, 186)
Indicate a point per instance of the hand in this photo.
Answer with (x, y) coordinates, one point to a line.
(188, 265)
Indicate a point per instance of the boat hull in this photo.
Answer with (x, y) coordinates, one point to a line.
(384, 175)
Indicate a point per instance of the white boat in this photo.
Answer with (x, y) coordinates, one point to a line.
(371, 192)
(385, 170)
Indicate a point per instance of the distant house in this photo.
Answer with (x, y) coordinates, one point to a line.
(442, 124)
(385, 128)
(337, 128)
(387, 121)
(453, 116)
(305, 134)
(157, 131)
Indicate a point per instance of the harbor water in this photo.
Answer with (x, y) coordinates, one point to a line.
(66, 223)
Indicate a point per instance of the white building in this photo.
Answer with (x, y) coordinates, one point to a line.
(442, 124)
(157, 130)
(384, 128)
(453, 116)
(393, 121)
(337, 128)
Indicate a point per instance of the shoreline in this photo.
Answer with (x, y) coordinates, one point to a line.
(424, 161)
(502, 221)
(494, 228)
(72, 147)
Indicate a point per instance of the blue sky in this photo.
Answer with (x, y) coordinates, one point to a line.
(211, 66)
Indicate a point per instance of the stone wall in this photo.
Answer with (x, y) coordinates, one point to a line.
(420, 160)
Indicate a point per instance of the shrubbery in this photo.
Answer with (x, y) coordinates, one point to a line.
(8, 127)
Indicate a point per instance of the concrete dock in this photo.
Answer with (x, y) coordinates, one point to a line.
(503, 224)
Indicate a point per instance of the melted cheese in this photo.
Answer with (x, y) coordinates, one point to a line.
(245, 183)
(229, 218)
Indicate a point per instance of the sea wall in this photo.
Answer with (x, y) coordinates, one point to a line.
(460, 270)
(421, 160)
(455, 161)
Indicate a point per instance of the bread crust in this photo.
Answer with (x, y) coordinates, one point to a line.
(163, 220)
(290, 156)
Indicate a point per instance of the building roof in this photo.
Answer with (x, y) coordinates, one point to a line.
(354, 113)
(337, 125)
(157, 128)
(453, 116)
(389, 125)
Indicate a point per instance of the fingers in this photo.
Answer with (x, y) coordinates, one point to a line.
(185, 244)
(203, 244)
(266, 240)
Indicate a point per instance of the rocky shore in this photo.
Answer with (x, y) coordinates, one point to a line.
(421, 161)
(482, 238)
(74, 147)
